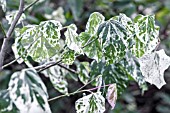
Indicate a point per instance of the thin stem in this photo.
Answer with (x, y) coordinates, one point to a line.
(30, 5)
(68, 69)
(3, 30)
(76, 92)
(46, 66)
(87, 84)
(6, 44)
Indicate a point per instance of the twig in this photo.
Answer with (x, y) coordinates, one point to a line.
(87, 84)
(46, 66)
(6, 44)
(3, 31)
(68, 69)
(68, 94)
(30, 5)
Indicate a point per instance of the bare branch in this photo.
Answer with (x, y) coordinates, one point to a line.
(30, 5)
(52, 63)
(6, 44)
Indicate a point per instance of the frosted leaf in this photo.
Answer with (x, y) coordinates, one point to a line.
(153, 66)
(26, 90)
(146, 35)
(114, 40)
(92, 50)
(71, 38)
(40, 42)
(93, 103)
(57, 78)
(83, 71)
(112, 95)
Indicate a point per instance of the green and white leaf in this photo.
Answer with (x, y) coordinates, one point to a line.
(146, 35)
(71, 38)
(41, 42)
(114, 73)
(132, 66)
(128, 23)
(153, 66)
(3, 5)
(92, 50)
(11, 15)
(57, 78)
(114, 39)
(93, 23)
(92, 103)
(6, 105)
(68, 57)
(90, 42)
(83, 71)
(28, 92)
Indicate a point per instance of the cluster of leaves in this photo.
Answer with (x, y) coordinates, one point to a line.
(122, 50)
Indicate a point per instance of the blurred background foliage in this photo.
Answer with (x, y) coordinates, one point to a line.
(78, 11)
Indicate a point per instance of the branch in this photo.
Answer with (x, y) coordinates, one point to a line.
(52, 63)
(81, 91)
(30, 5)
(6, 44)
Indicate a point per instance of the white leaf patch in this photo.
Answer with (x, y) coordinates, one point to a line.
(153, 67)
(112, 95)
(71, 38)
(93, 103)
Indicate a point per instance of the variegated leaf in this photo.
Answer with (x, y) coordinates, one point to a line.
(93, 23)
(132, 66)
(146, 35)
(28, 92)
(41, 42)
(6, 105)
(114, 39)
(153, 66)
(71, 38)
(57, 78)
(83, 71)
(68, 57)
(92, 50)
(114, 73)
(90, 42)
(93, 103)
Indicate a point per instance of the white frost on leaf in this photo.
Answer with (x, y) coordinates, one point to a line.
(93, 103)
(153, 66)
(28, 92)
(71, 38)
(112, 95)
